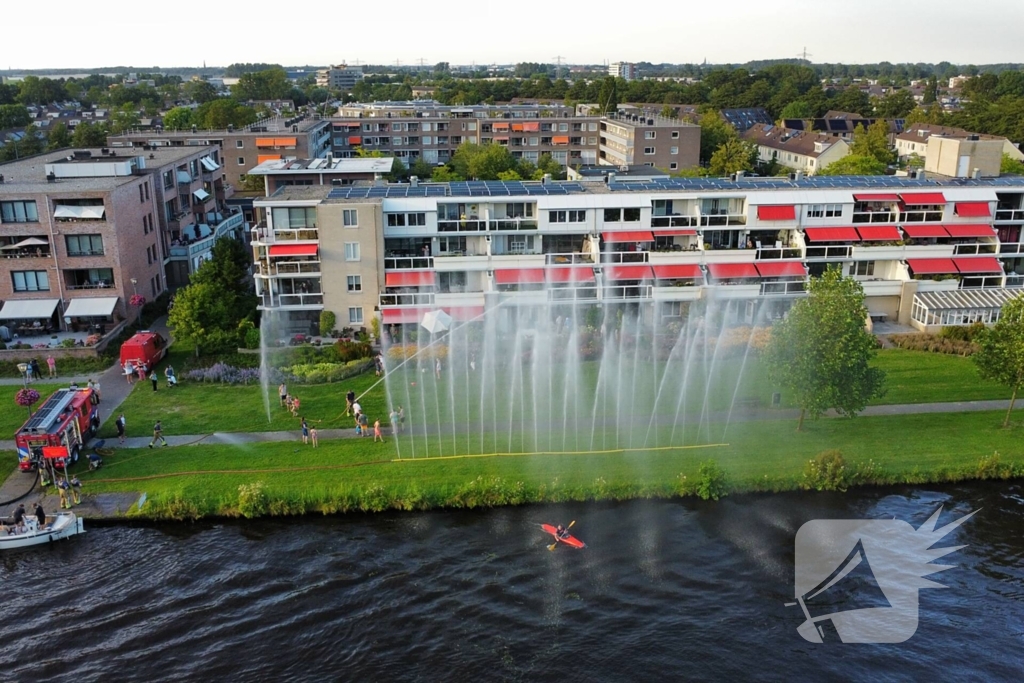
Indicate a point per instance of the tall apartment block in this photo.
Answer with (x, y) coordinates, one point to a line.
(341, 77)
(623, 70)
(928, 253)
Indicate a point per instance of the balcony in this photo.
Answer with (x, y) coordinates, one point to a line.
(974, 249)
(310, 300)
(408, 262)
(411, 299)
(722, 219)
(920, 217)
(675, 221)
(568, 258)
(795, 288)
(1011, 248)
(512, 224)
(573, 293)
(681, 293)
(627, 292)
(875, 217)
(829, 253)
(1010, 214)
(882, 287)
(981, 281)
(765, 253)
(211, 234)
(288, 268)
(472, 225)
(743, 290)
(624, 257)
(1014, 281)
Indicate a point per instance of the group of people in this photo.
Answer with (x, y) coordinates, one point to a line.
(131, 371)
(289, 402)
(20, 519)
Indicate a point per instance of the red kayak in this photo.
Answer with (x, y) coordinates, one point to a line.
(567, 539)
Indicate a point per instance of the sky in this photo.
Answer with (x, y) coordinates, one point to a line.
(189, 32)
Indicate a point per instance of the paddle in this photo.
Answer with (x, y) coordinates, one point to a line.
(552, 546)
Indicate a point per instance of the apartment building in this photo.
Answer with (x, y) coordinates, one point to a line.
(808, 152)
(842, 124)
(280, 173)
(341, 77)
(955, 152)
(244, 148)
(623, 70)
(79, 235)
(927, 252)
(656, 141)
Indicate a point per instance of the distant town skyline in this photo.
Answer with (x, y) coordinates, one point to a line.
(657, 31)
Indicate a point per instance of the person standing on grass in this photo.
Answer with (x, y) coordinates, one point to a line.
(36, 370)
(356, 408)
(437, 368)
(120, 424)
(169, 374)
(305, 431)
(28, 372)
(376, 432)
(295, 407)
(51, 363)
(350, 400)
(129, 371)
(158, 434)
(394, 421)
(153, 379)
(312, 436)
(282, 391)
(142, 370)
(364, 423)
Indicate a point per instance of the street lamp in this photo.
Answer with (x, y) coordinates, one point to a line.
(23, 369)
(135, 293)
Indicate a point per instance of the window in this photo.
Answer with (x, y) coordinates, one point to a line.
(294, 217)
(631, 215)
(84, 245)
(612, 215)
(577, 216)
(648, 150)
(450, 245)
(239, 144)
(142, 196)
(31, 281)
(355, 283)
(18, 212)
(351, 251)
(417, 219)
(355, 314)
(650, 134)
(673, 166)
(824, 210)
(168, 177)
(833, 210)
(673, 150)
(396, 220)
(675, 135)
(863, 268)
(145, 186)
(556, 216)
(241, 161)
(349, 218)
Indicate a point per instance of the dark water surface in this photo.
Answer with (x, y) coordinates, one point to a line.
(665, 591)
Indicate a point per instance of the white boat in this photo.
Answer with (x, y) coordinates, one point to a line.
(62, 525)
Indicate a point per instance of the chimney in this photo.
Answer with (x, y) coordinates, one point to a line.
(546, 180)
(798, 176)
(738, 175)
(610, 177)
(976, 174)
(414, 181)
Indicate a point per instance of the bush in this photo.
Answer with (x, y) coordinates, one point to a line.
(826, 472)
(963, 333)
(223, 373)
(253, 500)
(348, 351)
(935, 343)
(711, 483)
(327, 321)
(400, 352)
(324, 373)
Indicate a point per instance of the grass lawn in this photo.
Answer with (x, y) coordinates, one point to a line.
(913, 377)
(12, 416)
(8, 463)
(349, 474)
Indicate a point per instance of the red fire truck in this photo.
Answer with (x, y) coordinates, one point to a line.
(67, 419)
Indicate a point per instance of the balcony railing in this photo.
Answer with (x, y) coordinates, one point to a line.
(512, 224)
(837, 252)
(29, 254)
(783, 288)
(462, 226)
(723, 219)
(89, 285)
(291, 268)
(765, 253)
(981, 281)
(675, 221)
(624, 257)
(1010, 214)
(628, 292)
(1011, 248)
(1015, 281)
(568, 259)
(977, 248)
(573, 293)
(406, 262)
(418, 299)
(875, 217)
(920, 217)
(277, 300)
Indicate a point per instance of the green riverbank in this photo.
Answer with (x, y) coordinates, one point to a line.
(191, 482)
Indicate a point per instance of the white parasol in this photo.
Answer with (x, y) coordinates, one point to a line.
(436, 321)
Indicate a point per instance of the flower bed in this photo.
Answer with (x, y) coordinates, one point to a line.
(222, 373)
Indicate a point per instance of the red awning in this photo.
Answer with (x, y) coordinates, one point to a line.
(970, 230)
(832, 234)
(680, 271)
(876, 197)
(925, 231)
(464, 313)
(518, 276)
(780, 268)
(932, 266)
(562, 275)
(724, 271)
(293, 250)
(674, 232)
(409, 278)
(880, 233)
(398, 316)
(630, 272)
(972, 209)
(628, 236)
(922, 198)
(777, 213)
(982, 264)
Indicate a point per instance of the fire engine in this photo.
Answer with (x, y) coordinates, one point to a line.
(68, 419)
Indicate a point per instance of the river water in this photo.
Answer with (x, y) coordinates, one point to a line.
(665, 590)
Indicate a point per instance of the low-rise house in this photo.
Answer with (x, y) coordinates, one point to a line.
(804, 151)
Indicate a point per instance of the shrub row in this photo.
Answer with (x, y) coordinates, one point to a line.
(934, 343)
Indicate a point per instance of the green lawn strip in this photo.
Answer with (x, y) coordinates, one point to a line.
(8, 463)
(759, 456)
(12, 416)
(923, 377)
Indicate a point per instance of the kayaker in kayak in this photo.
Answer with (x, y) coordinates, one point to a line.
(561, 532)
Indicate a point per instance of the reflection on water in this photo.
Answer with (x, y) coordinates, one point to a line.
(664, 591)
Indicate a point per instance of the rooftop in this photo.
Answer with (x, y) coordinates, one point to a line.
(29, 174)
(806, 143)
(275, 124)
(306, 166)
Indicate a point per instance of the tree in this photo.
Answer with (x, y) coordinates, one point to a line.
(821, 351)
(1000, 356)
(269, 84)
(931, 91)
(13, 116)
(421, 168)
(873, 142)
(444, 174)
(179, 118)
(896, 105)
(854, 100)
(854, 164)
(797, 110)
(1011, 166)
(482, 162)
(608, 99)
(223, 112)
(253, 183)
(200, 91)
(733, 155)
(89, 135)
(124, 119)
(932, 114)
(714, 131)
(58, 137)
